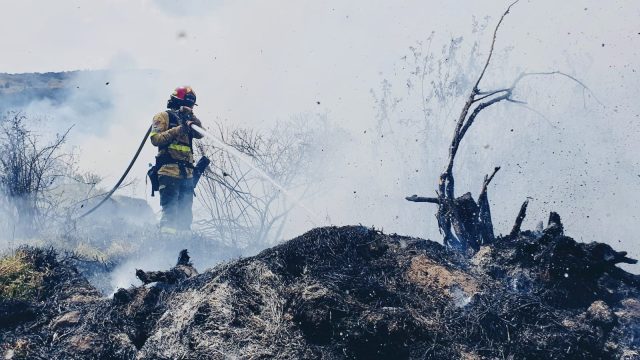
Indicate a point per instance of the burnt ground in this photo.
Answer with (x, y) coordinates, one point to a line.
(348, 292)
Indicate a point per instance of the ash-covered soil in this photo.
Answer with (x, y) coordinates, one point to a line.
(348, 292)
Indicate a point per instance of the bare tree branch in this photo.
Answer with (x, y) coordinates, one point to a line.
(242, 207)
(493, 42)
(560, 73)
(524, 105)
(416, 198)
(485, 222)
(521, 215)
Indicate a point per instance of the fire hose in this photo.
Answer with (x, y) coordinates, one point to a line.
(203, 163)
(312, 216)
(126, 172)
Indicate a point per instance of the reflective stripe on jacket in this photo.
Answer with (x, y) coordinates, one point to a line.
(171, 140)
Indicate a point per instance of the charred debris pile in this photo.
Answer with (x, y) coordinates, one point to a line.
(348, 292)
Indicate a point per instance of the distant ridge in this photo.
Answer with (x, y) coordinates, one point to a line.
(19, 90)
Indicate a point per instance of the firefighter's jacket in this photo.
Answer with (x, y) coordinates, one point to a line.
(174, 144)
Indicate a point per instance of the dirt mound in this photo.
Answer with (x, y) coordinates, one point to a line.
(353, 292)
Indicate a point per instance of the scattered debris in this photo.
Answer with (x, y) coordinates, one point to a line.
(184, 269)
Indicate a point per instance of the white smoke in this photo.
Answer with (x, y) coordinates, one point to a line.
(253, 64)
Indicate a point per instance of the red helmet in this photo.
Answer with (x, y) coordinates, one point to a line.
(184, 95)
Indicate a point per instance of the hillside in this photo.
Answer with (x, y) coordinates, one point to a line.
(89, 89)
(348, 292)
(18, 90)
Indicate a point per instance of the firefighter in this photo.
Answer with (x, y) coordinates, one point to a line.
(171, 132)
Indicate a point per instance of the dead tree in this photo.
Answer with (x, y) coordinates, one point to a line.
(465, 224)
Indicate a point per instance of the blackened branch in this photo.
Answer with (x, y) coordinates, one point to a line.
(493, 43)
(487, 180)
(416, 198)
(488, 94)
(476, 111)
(485, 223)
(521, 215)
(447, 176)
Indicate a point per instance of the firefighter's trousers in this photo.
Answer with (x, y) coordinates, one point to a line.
(176, 199)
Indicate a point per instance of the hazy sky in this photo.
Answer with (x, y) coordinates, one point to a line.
(256, 62)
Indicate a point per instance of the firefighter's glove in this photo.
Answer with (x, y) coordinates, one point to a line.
(186, 116)
(185, 129)
(186, 112)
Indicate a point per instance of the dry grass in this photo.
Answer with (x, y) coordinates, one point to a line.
(18, 278)
(428, 273)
